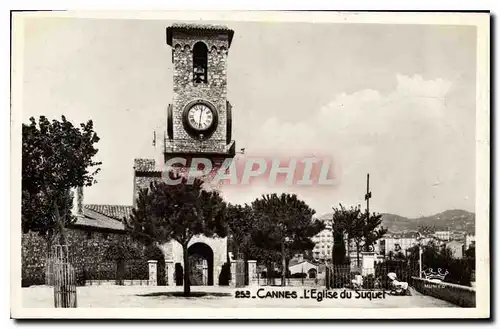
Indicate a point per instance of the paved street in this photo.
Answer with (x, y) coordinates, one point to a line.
(225, 297)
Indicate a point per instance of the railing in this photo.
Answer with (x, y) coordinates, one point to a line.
(456, 294)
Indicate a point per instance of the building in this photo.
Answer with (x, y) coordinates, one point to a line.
(443, 235)
(470, 240)
(457, 248)
(97, 229)
(198, 125)
(398, 242)
(300, 265)
(323, 240)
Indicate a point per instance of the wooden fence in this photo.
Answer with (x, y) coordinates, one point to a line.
(64, 278)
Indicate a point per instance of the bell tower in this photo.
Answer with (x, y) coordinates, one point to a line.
(199, 117)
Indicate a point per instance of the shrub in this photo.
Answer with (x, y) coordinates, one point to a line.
(369, 281)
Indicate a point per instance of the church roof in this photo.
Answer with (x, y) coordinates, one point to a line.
(197, 28)
(117, 212)
(104, 217)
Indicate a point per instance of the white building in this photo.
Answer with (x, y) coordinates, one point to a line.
(324, 239)
(443, 235)
(304, 266)
(470, 239)
(398, 242)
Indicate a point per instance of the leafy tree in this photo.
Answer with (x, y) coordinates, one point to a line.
(241, 223)
(346, 223)
(57, 157)
(356, 226)
(120, 251)
(471, 251)
(372, 230)
(178, 212)
(285, 226)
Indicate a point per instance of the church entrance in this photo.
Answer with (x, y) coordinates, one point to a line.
(201, 265)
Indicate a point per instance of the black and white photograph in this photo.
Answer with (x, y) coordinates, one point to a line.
(250, 165)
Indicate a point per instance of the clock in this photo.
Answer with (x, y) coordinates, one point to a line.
(200, 118)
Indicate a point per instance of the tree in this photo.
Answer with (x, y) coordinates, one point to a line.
(357, 226)
(372, 230)
(346, 223)
(241, 230)
(178, 212)
(57, 157)
(241, 224)
(120, 251)
(284, 226)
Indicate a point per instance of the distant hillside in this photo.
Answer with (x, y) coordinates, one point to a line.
(453, 220)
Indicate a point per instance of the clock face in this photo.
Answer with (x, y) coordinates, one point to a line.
(200, 117)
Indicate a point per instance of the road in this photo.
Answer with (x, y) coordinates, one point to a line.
(226, 297)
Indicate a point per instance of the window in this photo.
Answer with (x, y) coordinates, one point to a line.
(200, 58)
(89, 235)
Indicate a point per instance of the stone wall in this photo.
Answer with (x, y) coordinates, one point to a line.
(459, 295)
(88, 253)
(185, 90)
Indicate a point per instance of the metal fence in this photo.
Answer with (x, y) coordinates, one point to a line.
(346, 276)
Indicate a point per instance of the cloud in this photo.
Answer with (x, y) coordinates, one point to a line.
(409, 140)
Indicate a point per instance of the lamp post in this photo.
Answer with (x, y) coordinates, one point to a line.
(419, 242)
(283, 274)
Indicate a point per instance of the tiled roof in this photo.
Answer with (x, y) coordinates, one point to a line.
(96, 220)
(108, 217)
(117, 212)
(301, 262)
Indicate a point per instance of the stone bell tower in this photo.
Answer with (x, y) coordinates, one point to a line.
(198, 125)
(199, 117)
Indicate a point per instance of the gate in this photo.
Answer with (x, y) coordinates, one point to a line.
(64, 278)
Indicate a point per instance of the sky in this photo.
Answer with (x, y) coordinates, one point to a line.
(395, 101)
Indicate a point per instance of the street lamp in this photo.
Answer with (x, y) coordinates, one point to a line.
(419, 242)
(283, 274)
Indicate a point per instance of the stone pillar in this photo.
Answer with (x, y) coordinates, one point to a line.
(217, 271)
(153, 276)
(368, 263)
(252, 272)
(169, 272)
(233, 273)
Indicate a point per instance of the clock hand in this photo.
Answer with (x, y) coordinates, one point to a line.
(199, 122)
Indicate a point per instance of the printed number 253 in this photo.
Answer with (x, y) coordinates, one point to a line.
(242, 294)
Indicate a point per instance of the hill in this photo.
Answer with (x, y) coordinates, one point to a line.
(449, 220)
(452, 220)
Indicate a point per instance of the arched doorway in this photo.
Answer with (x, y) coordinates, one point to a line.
(312, 273)
(201, 264)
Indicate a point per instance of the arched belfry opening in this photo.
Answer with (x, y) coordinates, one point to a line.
(200, 59)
